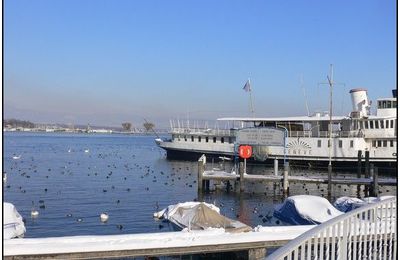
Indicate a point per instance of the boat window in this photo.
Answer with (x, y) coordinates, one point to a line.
(391, 123)
(319, 143)
(379, 143)
(185, 138)
(351, 143)
(366, 124)
(389, 104)
(192, 138)
(387, 123)
(361, 125)
(214, 139)
(394, 104)
(340, 143)
(376, 124)
(382, 126)
(199, 139)
(384, 142)
(371, 124)
(206, 139)
(391, 143)
(222, 140)
(230, 140)
(379, 104)
(373, 143)
(329, 143)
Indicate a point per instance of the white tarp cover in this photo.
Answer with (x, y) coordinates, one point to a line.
(306, 210)
(13, 226)
(199, 216)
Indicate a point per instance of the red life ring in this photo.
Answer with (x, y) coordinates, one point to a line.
(245, 151)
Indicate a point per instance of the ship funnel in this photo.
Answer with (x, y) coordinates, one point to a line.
(360, 102)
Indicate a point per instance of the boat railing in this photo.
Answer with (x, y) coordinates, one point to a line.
(231, 132)
(367, 232)
(324, 134)
(202, 131)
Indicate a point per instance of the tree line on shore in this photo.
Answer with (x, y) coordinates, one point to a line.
(16, 123)
(148, 126)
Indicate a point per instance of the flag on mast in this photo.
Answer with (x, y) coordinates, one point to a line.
(247, 86)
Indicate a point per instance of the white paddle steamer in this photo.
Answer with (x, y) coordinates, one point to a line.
(308, 137)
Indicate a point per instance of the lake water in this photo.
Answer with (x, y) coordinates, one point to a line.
(126, 176)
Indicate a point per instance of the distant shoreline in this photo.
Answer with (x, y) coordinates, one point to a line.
(92, 132)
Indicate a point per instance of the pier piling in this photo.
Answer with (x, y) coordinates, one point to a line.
(374, 187)
(257, 253)
(286, 178)
(329, 180)
(359, 163)
(241, 180)
(370, 187)
(276, 167)
(228, 186)
(201, 167)
(367, 166)
(375, 182)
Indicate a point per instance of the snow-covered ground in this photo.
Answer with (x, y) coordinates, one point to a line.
(73, 244)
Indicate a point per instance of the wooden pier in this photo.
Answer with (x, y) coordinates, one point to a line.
(205, 176)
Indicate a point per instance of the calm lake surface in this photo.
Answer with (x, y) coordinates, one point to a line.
(126, 176)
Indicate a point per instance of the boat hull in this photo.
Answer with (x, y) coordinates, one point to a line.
(339, 164)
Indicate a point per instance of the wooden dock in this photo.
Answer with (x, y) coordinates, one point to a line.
(221, 175)
(205, 176)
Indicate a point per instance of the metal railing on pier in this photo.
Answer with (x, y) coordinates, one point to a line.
(368, 232)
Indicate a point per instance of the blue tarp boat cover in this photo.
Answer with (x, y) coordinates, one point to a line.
(305, 210)
(347, 204)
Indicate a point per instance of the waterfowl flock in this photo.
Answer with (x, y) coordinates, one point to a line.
(97, 186)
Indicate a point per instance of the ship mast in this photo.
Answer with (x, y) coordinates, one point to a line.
(251, 101)
(331, 83)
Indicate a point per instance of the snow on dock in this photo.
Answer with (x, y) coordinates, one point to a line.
(151, 244)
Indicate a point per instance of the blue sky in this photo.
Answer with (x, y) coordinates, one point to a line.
(106, 62)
